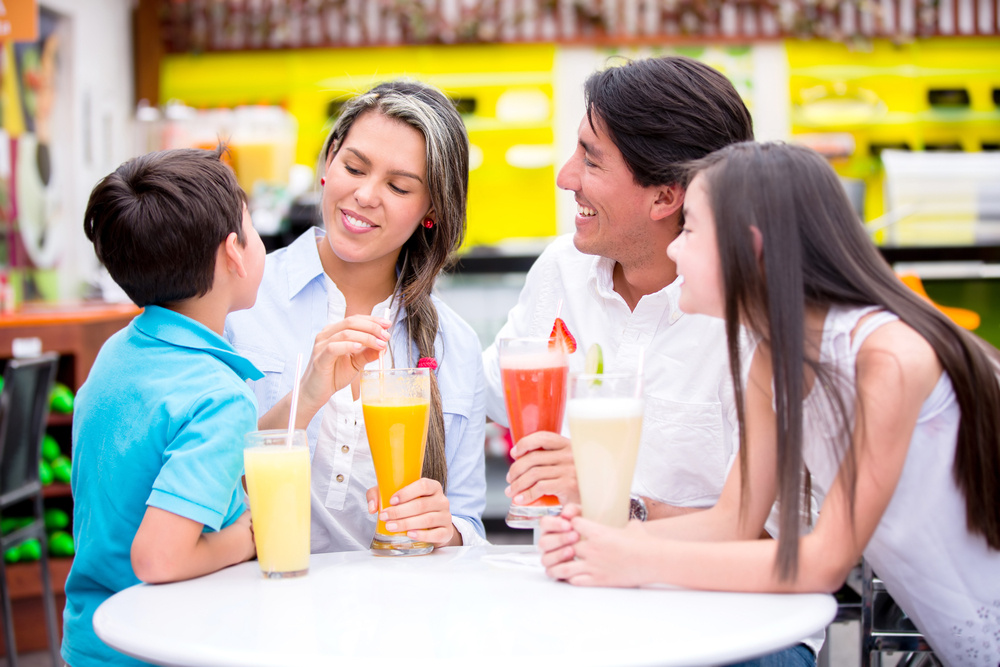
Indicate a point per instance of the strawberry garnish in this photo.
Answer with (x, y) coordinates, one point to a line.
(561, 336)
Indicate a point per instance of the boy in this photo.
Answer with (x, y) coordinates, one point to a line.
(159, 424)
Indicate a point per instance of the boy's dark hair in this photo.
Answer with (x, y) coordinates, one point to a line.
(157, 222)
(664, 112)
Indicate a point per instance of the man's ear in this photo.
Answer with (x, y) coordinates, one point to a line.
(669, 200)
(758, 242)
(233, 253)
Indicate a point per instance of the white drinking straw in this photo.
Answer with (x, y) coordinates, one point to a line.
(295, 400)
(381, 363)
(381, 355)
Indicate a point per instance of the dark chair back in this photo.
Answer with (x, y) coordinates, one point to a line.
(24, 411)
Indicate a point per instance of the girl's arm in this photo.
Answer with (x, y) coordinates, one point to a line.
(896, 372)
(169, 547)
(339, 353)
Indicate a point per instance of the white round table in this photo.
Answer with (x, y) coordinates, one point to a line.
(456, 606)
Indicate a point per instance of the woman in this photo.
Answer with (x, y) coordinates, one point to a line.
(893, 410)
(393, 205)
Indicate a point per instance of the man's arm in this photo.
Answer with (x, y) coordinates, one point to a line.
(169, 547)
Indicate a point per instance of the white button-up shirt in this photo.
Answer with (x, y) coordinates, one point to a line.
(296, 299)
(689, 435)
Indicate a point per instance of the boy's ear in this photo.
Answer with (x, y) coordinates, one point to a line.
(233, 252)
(669, 200)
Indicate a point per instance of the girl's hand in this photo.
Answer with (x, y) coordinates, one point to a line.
(421, 510)
(340, 352)
(558, 539)
(603, 556)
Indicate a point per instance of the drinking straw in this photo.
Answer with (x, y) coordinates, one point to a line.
(381, 363)
(295, 400)
(381, 355)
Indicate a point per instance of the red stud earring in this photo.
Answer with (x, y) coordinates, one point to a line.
(322, 181)
(428, 223)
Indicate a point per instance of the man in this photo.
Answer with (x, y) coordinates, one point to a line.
(618, 288)
(614, 285)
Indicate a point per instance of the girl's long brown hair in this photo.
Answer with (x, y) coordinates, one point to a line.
(816, 253)
(428, 250)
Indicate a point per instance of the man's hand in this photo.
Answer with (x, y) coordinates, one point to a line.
(543, 466)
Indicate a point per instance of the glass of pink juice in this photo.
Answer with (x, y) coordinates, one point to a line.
(534, 384)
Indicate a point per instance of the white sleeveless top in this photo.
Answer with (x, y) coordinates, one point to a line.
(946, 579)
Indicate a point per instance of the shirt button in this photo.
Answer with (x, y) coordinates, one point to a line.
(674, 316)
(345, 449)
(340, 478)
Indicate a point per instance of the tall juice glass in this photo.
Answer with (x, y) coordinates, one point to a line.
(605, 425)
(396, 405)
(278, 486)
(534, 386)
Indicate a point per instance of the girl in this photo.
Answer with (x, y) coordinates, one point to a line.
(892, 409)
(393, 204)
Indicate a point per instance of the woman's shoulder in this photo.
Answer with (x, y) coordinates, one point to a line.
(453, 328)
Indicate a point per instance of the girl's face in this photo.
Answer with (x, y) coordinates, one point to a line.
(376, 192)
(696, 253)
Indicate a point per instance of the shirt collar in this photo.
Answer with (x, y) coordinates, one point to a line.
(302, 261)
(600, 278)
(176, 329)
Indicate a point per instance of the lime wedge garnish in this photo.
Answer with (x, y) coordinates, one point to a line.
(594, 362)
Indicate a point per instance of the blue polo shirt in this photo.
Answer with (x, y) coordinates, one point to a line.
(159, 422)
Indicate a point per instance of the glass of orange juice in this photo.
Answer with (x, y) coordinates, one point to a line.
(534, 373)
(396, 406)
(277, 475)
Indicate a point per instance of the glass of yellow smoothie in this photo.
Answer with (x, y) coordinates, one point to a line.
(605, 426)
(396, 406)
(277, 475)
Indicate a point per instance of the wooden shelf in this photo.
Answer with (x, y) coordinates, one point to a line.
(57, 490)
(76, 331)
(25, 583)
(60, 419)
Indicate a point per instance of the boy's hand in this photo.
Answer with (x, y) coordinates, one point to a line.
(421, 510)
(543, 465)
(340, 352)
(245, 523)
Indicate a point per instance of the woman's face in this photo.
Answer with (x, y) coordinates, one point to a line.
(376, 191)
(696, 253)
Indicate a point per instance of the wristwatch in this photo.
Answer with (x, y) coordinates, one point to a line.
(637, 508)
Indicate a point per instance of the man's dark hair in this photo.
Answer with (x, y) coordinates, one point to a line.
(664, 112)
(157, 222)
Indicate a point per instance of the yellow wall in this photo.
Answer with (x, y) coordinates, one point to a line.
(879, 95)
(504, 200)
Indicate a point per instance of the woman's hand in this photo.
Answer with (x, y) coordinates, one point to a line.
(421, 510)
(585, 553)
(543, 465)
(340, 352)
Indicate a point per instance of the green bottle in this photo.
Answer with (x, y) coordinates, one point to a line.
(61, 544)
(50, 448)
(44, 473)
(56, 519)
(31, 550)
(62, 469)
(61, 399)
